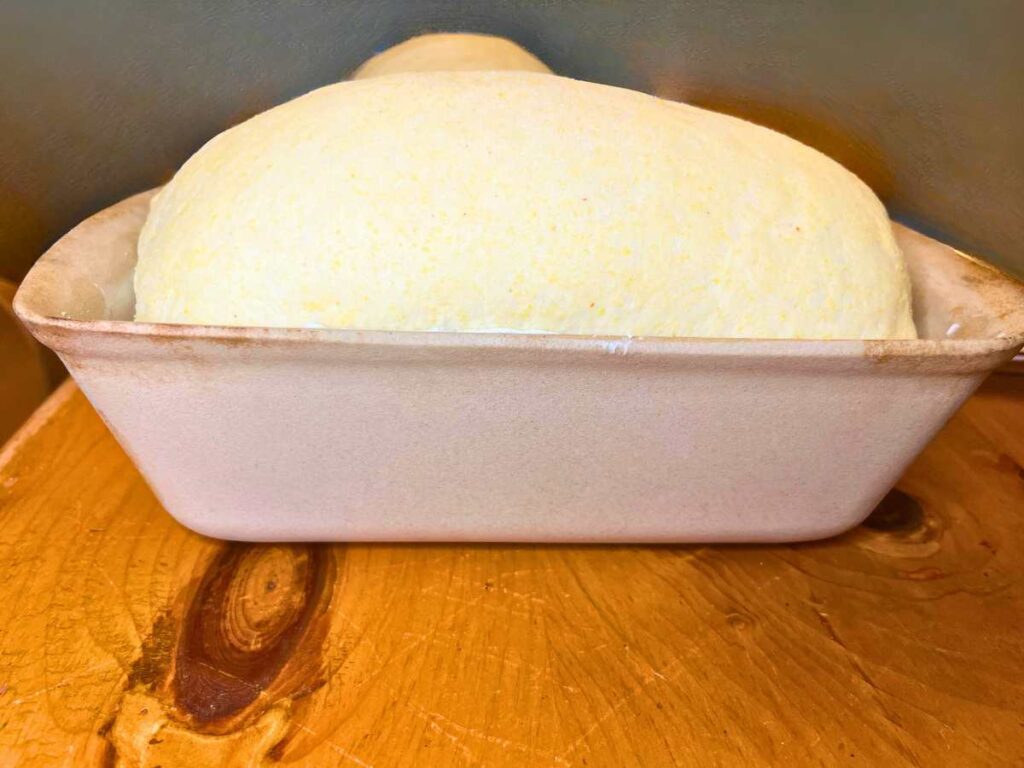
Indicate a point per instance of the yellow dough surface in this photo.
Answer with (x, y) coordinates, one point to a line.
(483, 201)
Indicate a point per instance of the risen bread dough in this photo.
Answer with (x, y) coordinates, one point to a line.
(522, 201)
(450, 52)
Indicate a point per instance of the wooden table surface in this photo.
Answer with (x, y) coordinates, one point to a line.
(127, 640)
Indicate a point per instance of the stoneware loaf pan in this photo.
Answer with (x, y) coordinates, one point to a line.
(273, 434)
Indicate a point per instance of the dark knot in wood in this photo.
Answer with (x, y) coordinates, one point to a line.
(898, 512)
(249, 615)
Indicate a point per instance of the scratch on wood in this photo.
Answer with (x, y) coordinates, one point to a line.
(467, 753)
(63, 683)
(437, 718)
(673, 666)
(336, 747)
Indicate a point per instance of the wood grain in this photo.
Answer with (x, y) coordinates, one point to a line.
(127, 640)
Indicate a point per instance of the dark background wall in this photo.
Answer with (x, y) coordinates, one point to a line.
(923, 98)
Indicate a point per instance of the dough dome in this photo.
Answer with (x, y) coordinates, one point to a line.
(478, 201)
(450, 51)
